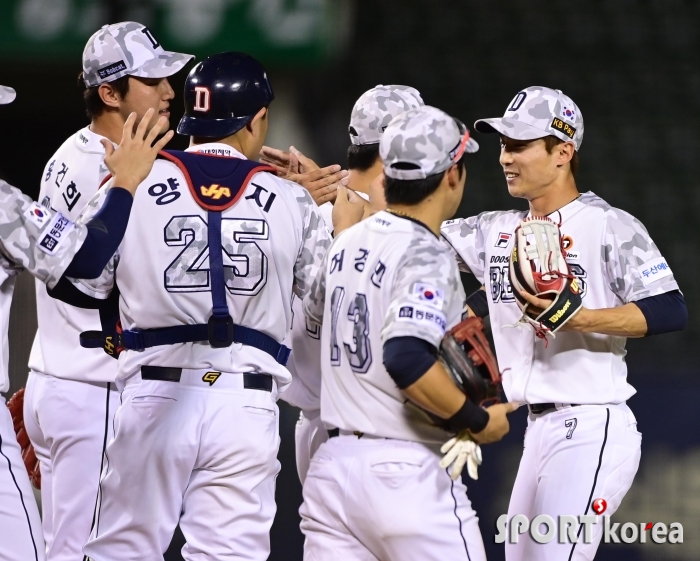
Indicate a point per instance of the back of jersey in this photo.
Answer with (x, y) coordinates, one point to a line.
(272, 240)
(386, 277)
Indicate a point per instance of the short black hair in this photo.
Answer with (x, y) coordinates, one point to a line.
(94, 106)
(362, 156)
(413, 191)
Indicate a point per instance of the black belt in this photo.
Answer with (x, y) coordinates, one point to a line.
(332, 433)
(537, 408)
(251, 381)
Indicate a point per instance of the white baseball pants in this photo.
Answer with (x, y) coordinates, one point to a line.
(309, 434)
(573, 456)
(372, 499)
(20, 525)
(200, 452)
(69, 423)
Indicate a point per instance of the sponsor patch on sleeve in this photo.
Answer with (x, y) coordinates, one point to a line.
(428, 294)
(38, 215)
(420, 315)
(654, 270)
(55, 234)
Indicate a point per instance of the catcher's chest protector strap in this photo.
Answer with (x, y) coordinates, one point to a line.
(216, 184)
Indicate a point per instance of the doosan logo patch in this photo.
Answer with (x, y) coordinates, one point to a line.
(503, 239)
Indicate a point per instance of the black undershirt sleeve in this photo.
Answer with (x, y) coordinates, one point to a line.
(664, 313)
(105, 232)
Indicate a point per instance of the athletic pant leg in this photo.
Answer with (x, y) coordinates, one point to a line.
(309, 434)
(597, 459)
(522, 498)
(148, 467)
(20, 525)
(75, 419)
(229, 504)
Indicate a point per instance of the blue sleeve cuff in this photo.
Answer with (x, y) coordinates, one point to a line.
(105, 232)
(406, 359)
(664, 313)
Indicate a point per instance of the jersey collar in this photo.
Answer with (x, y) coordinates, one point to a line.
(89, 142)
(217, 149)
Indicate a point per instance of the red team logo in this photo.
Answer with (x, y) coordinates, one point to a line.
(599, 506)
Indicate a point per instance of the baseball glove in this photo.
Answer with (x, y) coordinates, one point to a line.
(16, 407)
(466, 353)
(538, 267)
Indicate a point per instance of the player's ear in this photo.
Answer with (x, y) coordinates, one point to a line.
(259, 116)
(453, 176)
(109, 96)
(565, 153)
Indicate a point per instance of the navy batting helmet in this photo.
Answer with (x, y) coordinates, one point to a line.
(222, 94)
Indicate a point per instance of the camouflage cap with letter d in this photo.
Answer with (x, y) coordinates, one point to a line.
(376, 107)
(536, 112)
(423, 141)
(127, 49)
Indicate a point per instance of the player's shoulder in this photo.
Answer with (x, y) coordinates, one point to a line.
(483, 222)
(615, 218)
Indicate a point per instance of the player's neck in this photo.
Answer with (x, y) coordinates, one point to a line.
(110, 125)
(426, 212)
(360, 180)
(556, 196)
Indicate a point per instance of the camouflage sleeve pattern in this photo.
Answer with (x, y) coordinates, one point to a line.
(427, 297)
(634, 266)
(466, 237)
(315, 298)
(36, 238)
(314, 244)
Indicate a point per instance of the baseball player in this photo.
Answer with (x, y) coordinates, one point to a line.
(582, 442)
(125, 70)
(214, 249)
(47, 244)
(388, 291)
(370, 115)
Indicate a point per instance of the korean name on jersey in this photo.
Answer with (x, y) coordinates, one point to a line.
(385, 277)
(615, 261)
(273, 242)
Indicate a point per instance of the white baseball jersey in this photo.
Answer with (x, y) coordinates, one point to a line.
(71, 177)
(385, 277)
(273, 243)
(33, 238)
(615, 261)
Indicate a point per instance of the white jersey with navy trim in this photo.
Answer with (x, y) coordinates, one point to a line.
(385, 277)
(274, 240)
(615, 261)
(71, 177)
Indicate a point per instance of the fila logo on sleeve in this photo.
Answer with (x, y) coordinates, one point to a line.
(201, 99)
(503, 239)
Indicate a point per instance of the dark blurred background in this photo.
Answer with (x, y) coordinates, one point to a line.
(633, 67)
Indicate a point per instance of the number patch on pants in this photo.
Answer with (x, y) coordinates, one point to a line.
(571, 425)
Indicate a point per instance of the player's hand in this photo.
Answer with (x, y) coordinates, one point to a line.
(498, 425)
(131, 162)
(322, 184)
(459, 451)
(539, 305)
(377, 201)
(278, 159)
(348, 210)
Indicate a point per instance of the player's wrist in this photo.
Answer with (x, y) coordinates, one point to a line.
(130, 184)
(470, 416)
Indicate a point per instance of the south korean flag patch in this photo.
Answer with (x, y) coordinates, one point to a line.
(38, 215)
(428, 294)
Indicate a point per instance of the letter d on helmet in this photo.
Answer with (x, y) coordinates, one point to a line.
(222, 95)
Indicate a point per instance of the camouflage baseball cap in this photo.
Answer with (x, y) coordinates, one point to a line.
(422, 142)
(376, 107)
(536, 112)
(7, 95)
(127, 49)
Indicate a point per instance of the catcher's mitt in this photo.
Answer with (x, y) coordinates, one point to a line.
(538, 267)
(16, 407)
(466, 353)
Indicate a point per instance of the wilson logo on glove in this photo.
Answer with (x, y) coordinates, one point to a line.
(538, 267)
